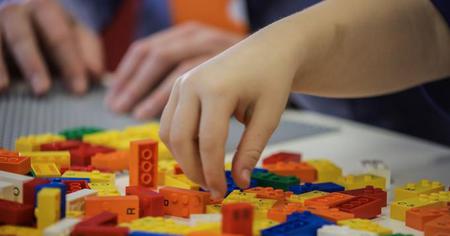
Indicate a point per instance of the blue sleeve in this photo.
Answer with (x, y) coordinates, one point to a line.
(443, 6)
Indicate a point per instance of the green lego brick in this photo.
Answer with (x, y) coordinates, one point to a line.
(78, 132)
(267, 179)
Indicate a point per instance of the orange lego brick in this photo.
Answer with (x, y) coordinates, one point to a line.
(416, 218)
(237, 218)
(282, 209)
(126, 207)
(269, 193)
(183, 202)
(177, 169)
(143, 165)
(114, 161)
(328, 200)
(438, 227)
(15, 163)
(209, 233)
(331, 214)
(302, 170)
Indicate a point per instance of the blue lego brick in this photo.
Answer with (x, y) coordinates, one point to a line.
(143, 233)
(63, 189)
(231, 185)
(259, 170)
(59, 180)
(304, 223)
(324, 187)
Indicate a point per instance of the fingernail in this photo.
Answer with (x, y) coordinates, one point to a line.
(120, 104)
(79, 85)
(39, 85)
(246, 175)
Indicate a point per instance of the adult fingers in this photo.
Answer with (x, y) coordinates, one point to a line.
(20, 38)
(91, 50)
(4, 77)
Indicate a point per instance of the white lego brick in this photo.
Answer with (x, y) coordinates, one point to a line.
(75, 201)
(7, 191)
(196, 219)
(17, 181)
(61, 228)
(335, 230)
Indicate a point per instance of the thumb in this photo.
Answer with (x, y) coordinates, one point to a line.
(257, 133)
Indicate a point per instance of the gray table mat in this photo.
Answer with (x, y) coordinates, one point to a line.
(23, 114)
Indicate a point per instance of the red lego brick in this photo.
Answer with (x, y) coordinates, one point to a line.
(15, 164)
(29, 196)
(61, 145)
(183, 202)
(416, 218)
(177, 169)
(269, 193)
(75, 185)
(369, 191)
(8, 153)
(328, 200)
(99, 231)
(150, 203)
(237, 218)
(304, 171)
(331, 214)
(105, 218)
(143, 165)
(82, 155)
(439, 226)
(282, 157)
(15, 213)
(361, 207)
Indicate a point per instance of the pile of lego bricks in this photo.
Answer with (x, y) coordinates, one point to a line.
(65, 184)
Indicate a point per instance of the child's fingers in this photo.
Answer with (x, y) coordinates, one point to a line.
(262, 124)
(215, 118)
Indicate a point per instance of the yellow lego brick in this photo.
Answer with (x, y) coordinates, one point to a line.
(163, 152)
(399, 208)
(19, 230)
(145, 131)
(206, 227)
(104, 138)
(180, 181)
(238, 196)
(411, 190)
(48, 207)
(214, 208)
(166, 166)
(302, 197)
(360, 181)
(228, 165)
(157, 225)
(260, 224)
(365, 225)
(326, 170)
(95, 176)
(74, 214)
(104, 189)
(32, 143)
(441, 196)
(60, 158)
(45, 170)
(260, 205)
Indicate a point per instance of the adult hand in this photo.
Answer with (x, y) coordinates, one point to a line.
(144, 78)
(74, 49)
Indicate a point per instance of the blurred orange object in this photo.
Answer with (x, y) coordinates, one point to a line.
(114, 161)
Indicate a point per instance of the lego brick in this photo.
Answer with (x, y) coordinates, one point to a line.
(75, 201)
(82, 156)
(378, 168)
(411, 190)
(104, 137)
(282, 209)
(48, 210)
(77, 133)
(61, 228)
(302, 197)
(297, 224)
(237, 218)
(60, 158)
(19, 230)
(269, 193)
(177, 169)
(267, 179)
(32, 143)
(336, 230)
(416, 218)
(140, 233)
(369, 191)
(198, 219)
(399, 208)
(150, 203)
(115, 161)
(61, 145)
(62, 188)
(17, 181)
(104, 218)
(94, 176)
(99, 231)
(183, 202)
(231, 185)
(87, 168)
(261, 206)
(438, 227)
(45, 170)
(365, 225)
(75, 185)
(214, 208)
(328, 200)
(302, 170)
(16, 213)
(143, 163)
(104, 189)
(158, 225)
(362, 207)
(331, 214)
(180, 181)
(126, 207)
(7, 191)
(351, 182)
(323, 187)
(281, 157)
(327, 171)
(29, 195)
(16, 164)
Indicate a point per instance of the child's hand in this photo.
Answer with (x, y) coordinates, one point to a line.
(239, 82)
